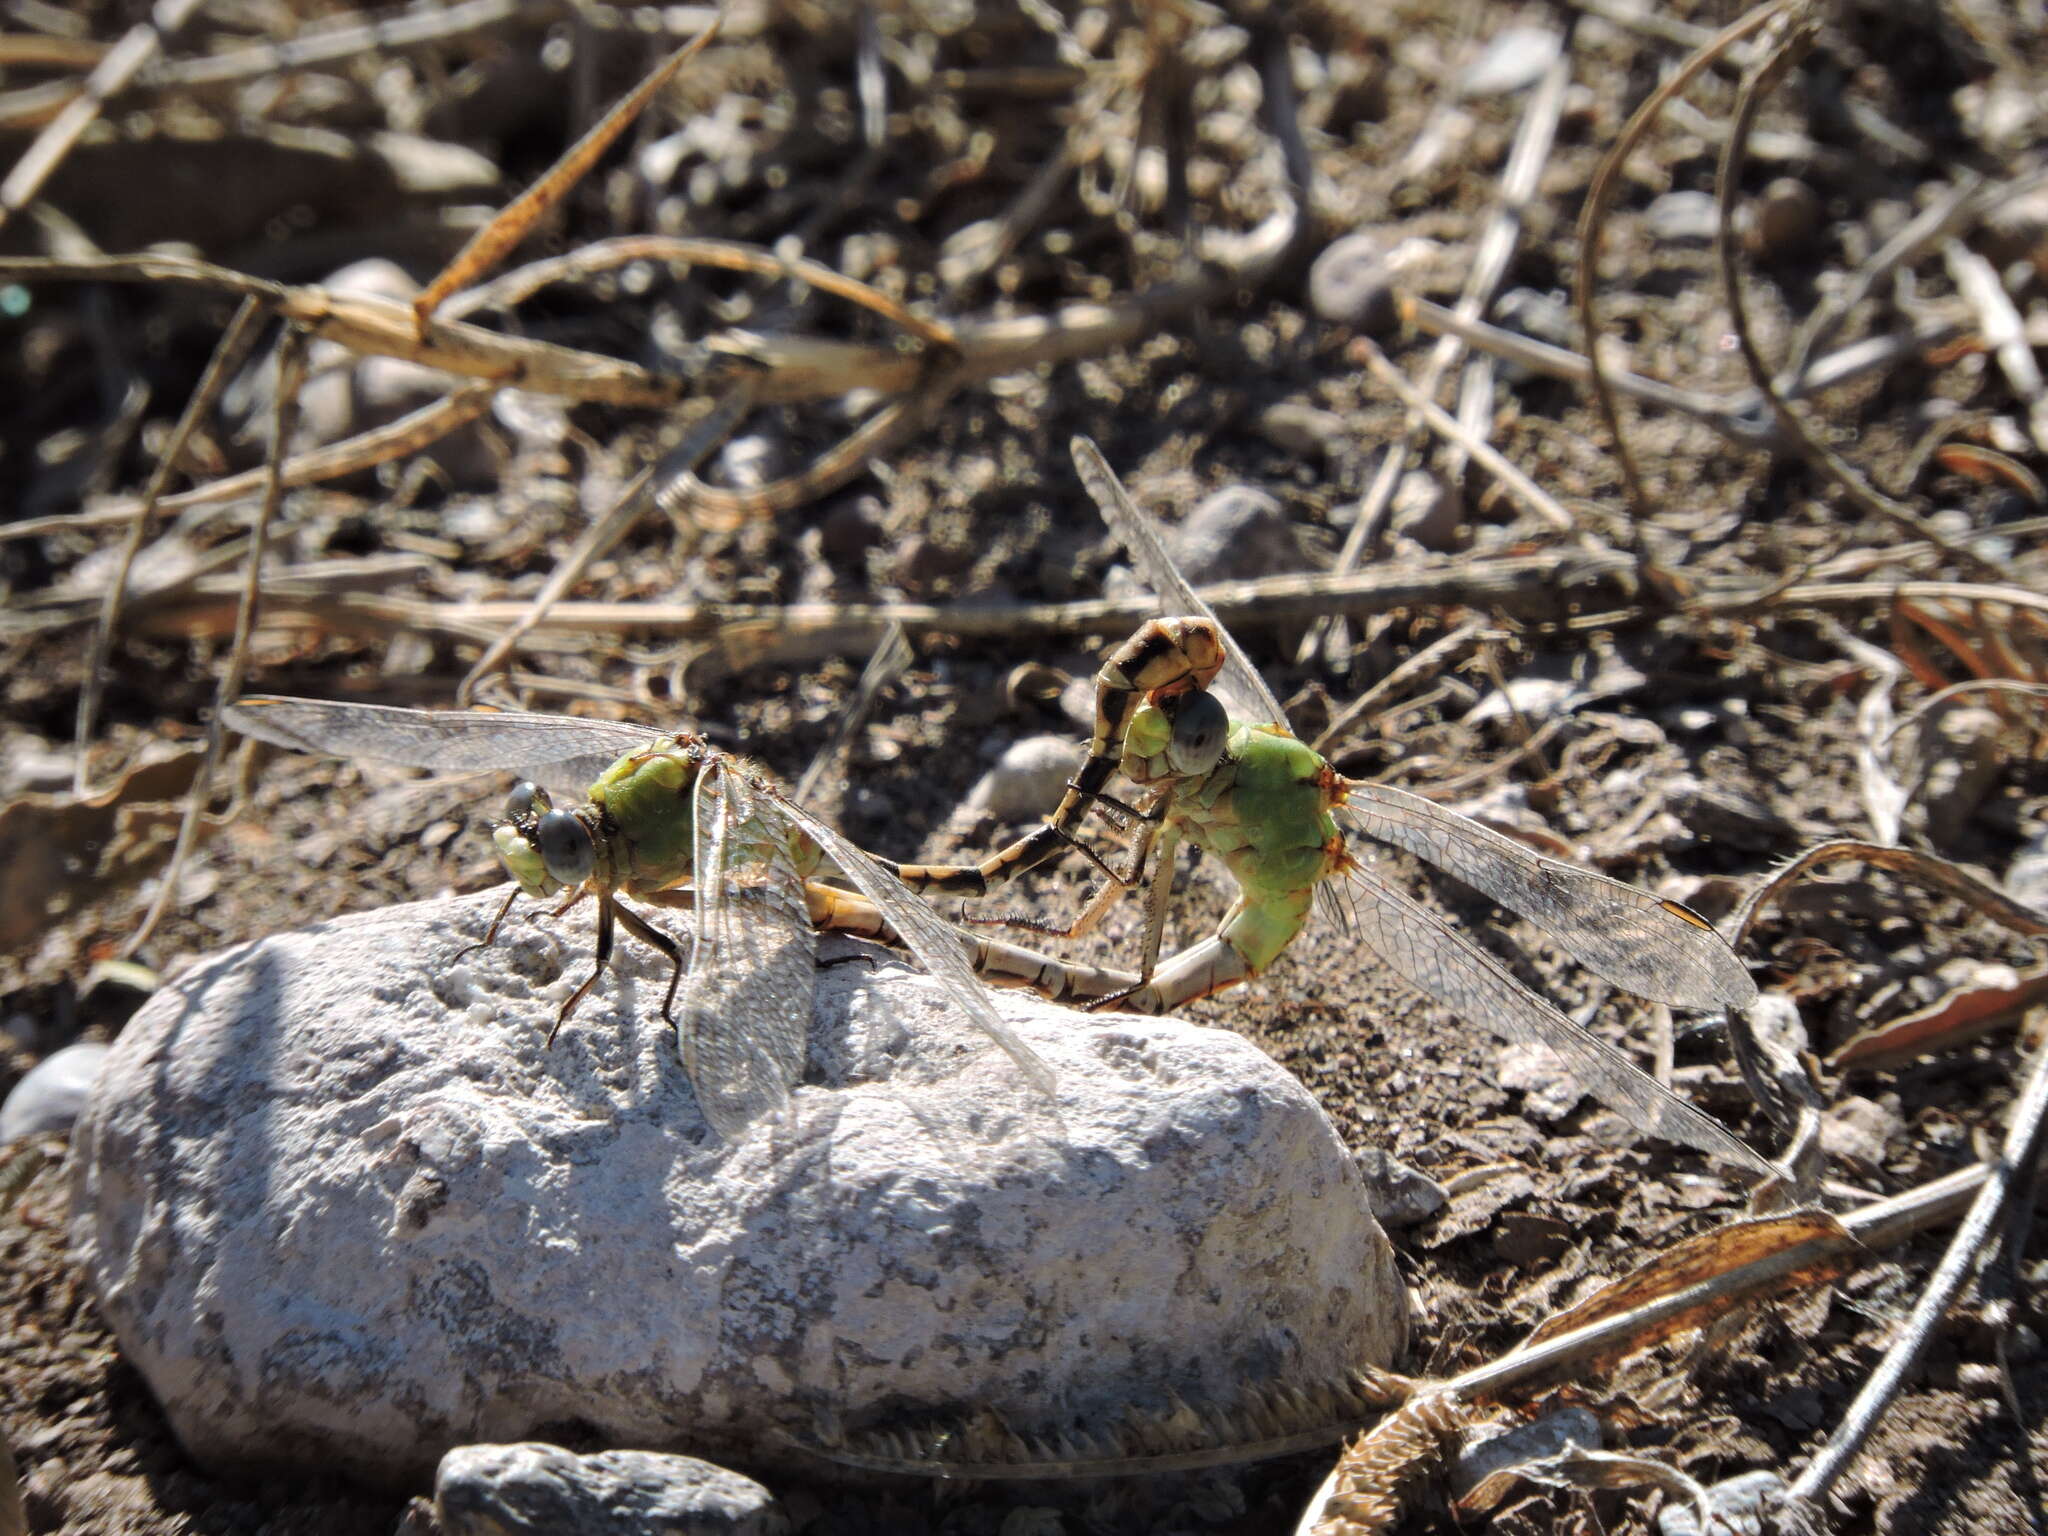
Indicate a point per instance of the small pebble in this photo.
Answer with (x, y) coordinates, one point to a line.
(1235, 534)
(1077, 701)
(1514, 59)
(535, 1489)
(434, 168)
(1398, 1195)
(1550, 1093)
(1427, 510)
(750, 462)
(1855, 1131)
(1545, 316)
(1785, 221)
(1351, 283)
(1683, 217)
(53, 1091)
(2026, 878)
(1305, 431)
(1027, 780)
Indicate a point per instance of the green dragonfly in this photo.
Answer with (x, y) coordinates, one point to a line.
(1183, 715)
(672, 821)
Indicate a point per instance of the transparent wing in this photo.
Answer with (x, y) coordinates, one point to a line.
(743, 1019)
(1647, 946)
(557, 749)
(934, 942)
(1240, 689)
(1416, 945)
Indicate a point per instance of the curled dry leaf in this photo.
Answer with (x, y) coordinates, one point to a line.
(2000, 997)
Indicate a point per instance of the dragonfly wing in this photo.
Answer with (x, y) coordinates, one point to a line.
(560, 748)
(934, 942)
(1653, 948)
(743, 1020)
(1414, 943)
(1242, 692)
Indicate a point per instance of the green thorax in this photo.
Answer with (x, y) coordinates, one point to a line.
(644, 805)
(1264, 810)
(647, 804)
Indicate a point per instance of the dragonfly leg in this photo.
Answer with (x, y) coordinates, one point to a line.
(490, 933)
(1165, 656)
(605, 909)
(1056, 980)
(647, 933)
(1198, 971)
(999, 868)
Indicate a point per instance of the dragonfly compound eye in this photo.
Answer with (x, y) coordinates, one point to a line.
(526, 799)
(565, 847)
(1200, 728)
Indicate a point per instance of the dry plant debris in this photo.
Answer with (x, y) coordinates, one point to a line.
(1734, 583)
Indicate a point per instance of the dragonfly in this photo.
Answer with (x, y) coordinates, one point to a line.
(1183, 715)
(671, 821)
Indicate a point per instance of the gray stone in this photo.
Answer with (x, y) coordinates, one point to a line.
(344, 1208)
(1235, 534)
(1027, 780)
(1400, 1196)
(535, 1489)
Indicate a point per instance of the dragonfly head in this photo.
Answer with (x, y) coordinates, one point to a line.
(544, 849)
(1179, 736)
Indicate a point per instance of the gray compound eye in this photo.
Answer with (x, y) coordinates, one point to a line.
(525, 799)
(1200, 729)
(565, 847)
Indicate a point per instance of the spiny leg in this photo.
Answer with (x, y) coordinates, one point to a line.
(1158, 891)
(1165, 656)
(604, 954)
(1105, 897)
(647, 933)
(490, 933)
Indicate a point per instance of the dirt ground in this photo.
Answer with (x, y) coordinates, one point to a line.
(1727, 713)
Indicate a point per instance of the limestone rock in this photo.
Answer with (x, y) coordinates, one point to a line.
(343, 1207)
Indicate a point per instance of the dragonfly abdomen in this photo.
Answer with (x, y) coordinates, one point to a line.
(1266, 814)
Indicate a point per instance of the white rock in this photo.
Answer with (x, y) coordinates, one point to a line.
(51, 1093)
(343, 1208)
